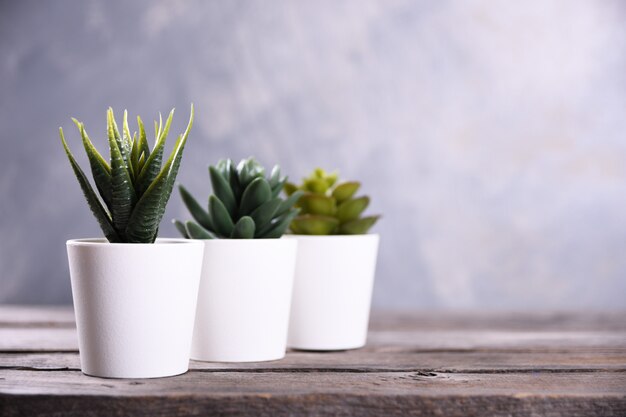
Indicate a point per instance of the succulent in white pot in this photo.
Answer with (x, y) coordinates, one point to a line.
(247, 274)
(134, 295)
(335, 267)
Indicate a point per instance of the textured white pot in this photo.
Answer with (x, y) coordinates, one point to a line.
(244, 300)
(332, 291)
(134, 305)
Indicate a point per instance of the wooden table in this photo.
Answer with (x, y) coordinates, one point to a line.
(417, 364)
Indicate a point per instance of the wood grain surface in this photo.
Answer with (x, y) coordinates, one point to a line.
(415, 364)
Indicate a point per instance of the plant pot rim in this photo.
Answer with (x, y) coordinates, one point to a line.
(100, 241)
(278, 241)
(338, 237)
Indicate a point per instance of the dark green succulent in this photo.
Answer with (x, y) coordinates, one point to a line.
(133, 188)
(329, 208)
(244, 204)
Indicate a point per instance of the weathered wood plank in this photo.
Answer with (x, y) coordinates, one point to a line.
(265, 394)
(574, 360)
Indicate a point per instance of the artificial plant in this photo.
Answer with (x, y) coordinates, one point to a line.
(328, 207)
(245, 204)
(134, 188)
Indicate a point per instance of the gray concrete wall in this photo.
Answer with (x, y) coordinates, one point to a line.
(489, 134)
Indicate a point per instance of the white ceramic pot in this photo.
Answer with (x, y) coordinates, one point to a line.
(332, 291)
(134, 305)
(244, 300)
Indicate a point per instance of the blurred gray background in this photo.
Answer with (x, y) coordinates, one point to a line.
(490, 135)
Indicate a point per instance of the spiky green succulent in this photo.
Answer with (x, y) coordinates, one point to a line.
(328, 207)
(134, 189)
(244, 204)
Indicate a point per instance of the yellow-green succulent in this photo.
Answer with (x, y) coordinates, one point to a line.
(329, 207)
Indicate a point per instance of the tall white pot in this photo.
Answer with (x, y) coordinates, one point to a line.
(332, 291)
(134, 305)
(244, 300)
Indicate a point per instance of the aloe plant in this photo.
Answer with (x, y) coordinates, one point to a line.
(328, 207)
(134, 189)
(245, 204)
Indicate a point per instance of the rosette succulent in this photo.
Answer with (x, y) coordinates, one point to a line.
(245, 204)
(134, 188)
(328, 207)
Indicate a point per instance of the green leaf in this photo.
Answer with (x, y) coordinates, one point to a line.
(276, 181)
(144, 223)
(345, 191)
(152, 165)
(290, 202)
(358, 226)
(352, 209)
(173, 164)
(128, 145)
(265, 212)
(280, 225)
(233, 179)
(144, 148)
(100, 169)
(196, 210)
(114, 134)
(95, 206)
(222, 190)
(274, 177)
(316, 185)
(145, 219)
(248, 170)
(244, 229)
(309, 224)
(219, 215)
(318, 204)
(197, 232)
(257, 193)
(123, 195)
(180, 226)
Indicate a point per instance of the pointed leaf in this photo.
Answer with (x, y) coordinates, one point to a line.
(221, 219)
(114, 133)
(92, 199)
(358, 226)
(345, 191)
(123, 196)
(144, 148)
(174, 161)
(152, 166)
(244, 229)
(180, 226)
(280, 226)
(309, 224)
(274, 177)
(352, 209)
(144, 223)
(257, 193)
(196, 210)
(196, 231)
(222, 190)
(100, 169)
(265, 212)
(290, 202)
